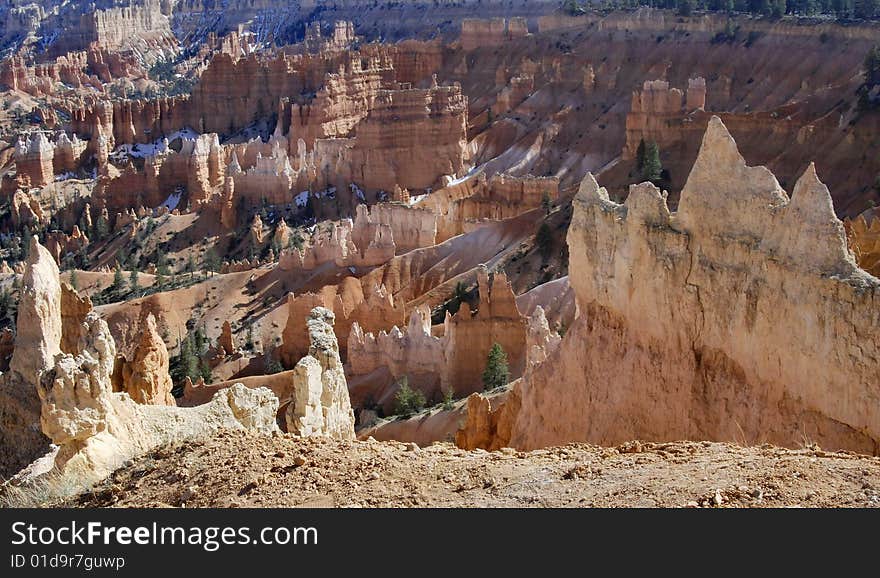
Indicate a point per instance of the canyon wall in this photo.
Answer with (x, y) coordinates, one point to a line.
(741, 317)
(451, 358)
(463, 205)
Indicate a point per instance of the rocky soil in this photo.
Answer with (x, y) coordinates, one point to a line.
(238, 469)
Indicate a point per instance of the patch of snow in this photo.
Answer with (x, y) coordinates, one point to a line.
(302, 199)
(416, 199)
(142, 150)
(463, 178)
(357, 192)
(353, 270)
(65, 176)
(172, 201)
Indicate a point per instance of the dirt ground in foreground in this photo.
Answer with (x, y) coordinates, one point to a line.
(236, 469)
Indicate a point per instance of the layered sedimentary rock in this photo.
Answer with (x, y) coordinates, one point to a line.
(137, 25)
(89, 68)
(454, 359)
(340, 39)
(410, 138)
(225, 341)
(659, 113)
(464, 205)
(476, 32)
(488, 421)
(373, 308)
(370, 239)
(411, 228)
(320, 403)
(361, 128)
(74, 308)
(33, 160)
(97, 430)
(376, 361)
(60, 244)
(470, 337)
(38, 325)
(743, 316)
(27, 210)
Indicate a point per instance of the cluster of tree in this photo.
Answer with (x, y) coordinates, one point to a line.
(9, 305)
(868, 97)
(460, 294)
(841, 9)
(409, 401)
(189, 361)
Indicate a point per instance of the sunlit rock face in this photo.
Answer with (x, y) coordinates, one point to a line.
(741, 317)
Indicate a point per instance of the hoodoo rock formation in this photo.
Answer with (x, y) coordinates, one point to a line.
(320, 403)
(145, 378)
(740, 317)
(37, 342)
(94, 428)
(284, 214)
(453, 359)
(864, 236)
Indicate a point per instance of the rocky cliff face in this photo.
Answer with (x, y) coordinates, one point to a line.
(33, 160)
(740, 317)
(659, 113)
(97, 430)
(464, 205)
(476, 32)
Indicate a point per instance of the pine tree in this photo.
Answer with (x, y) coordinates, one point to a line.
(546, 203)
(74, 279)
(652, 168)
(118, 280)
(133, 281)
(249, 338)
(101, 228)
(496, 373)
(212, 261)
(448, 399)
(161, 262)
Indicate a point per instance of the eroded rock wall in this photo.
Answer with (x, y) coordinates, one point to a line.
(741, 317)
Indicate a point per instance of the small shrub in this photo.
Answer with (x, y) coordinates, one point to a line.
(408, 401)
(448, 399)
